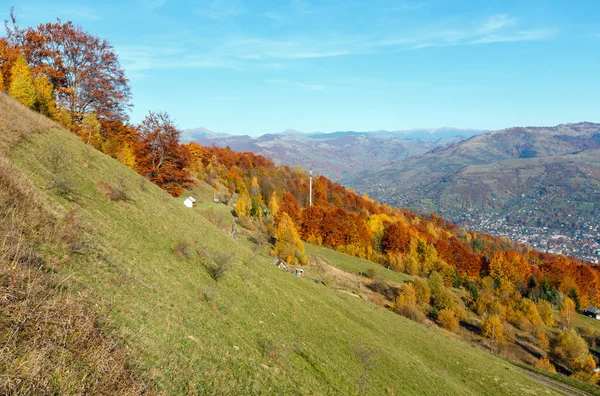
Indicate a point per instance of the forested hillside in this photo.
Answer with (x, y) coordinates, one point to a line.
(186, 300)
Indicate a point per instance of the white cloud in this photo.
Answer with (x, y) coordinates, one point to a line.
(244, 52)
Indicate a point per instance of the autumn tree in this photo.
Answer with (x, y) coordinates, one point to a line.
(21, 86)
(273, 206)
(396, 238)
(447, 319)
(546, 312)
(290, 206)
(2, 87)
(493, 328)
(90, 130)
(44, 103)
(243, 205)
(570, 347)
(83, 68)
(127, 156)
(159, 155)
(422, 291)
(288, 245)
(567, 313)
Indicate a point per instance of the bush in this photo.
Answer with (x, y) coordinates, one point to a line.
(218, 264)
(114, 193)
(570, 347)
(274, 350)
(545, 364)
(182, 249)
(371, 273)
(411, 312)
(447, 320)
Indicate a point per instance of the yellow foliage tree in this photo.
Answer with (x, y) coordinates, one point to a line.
(546, 313)
(407, 296)
(273, 207)
(585, 370)
(447, 319)
(243, 205)
(377, 227)
(90, 130)
(43, 96)
(128, 156)
(2, 88)
(63, 117)
(422, 291)
(570, 347)
(493, 328)
(530, 311)
(254, 187)
(567, 313)
(288, 245)
(21, 86)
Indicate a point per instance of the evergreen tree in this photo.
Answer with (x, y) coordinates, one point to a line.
(21, 86)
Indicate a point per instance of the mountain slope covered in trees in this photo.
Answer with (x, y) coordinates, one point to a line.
(186, 299)
(146, 260)
(524, 177)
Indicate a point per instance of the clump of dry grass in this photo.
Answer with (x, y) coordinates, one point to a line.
(113, 193)
(182, 249)
(51, 340)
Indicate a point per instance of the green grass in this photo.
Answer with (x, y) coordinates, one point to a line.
(356, 265)
(258, 330)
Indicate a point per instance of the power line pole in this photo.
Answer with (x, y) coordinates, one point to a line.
(310, 189)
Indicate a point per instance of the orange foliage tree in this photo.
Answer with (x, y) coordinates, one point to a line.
(159, 155)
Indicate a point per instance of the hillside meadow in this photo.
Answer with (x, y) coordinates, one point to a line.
(148, 264)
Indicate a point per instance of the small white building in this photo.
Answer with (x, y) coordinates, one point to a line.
(189, 202)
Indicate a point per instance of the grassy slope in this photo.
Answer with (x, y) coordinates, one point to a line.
(356, 265)
(258, 329)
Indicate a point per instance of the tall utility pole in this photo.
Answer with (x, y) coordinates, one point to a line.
(310, 189)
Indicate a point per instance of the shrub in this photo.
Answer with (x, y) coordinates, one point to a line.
(584, 370)
(570, 347)
(114, 193)
(542, 341)
(182, 249)
(447, 320)
(545, 364)
(274, 350)
(218, 264)
(371, 273)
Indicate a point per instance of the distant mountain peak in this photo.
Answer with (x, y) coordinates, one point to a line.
(291, 132)
(202, 133)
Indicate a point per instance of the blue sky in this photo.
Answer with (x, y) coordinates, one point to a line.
(254, 67)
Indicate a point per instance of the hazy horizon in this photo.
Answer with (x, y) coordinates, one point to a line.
(253, 67)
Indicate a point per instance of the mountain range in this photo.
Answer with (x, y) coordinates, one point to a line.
(535, 182)
(339, 154)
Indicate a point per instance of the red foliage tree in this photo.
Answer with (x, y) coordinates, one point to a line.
(159, 155)
(290, 206)
(83, 69)
(396, 239)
